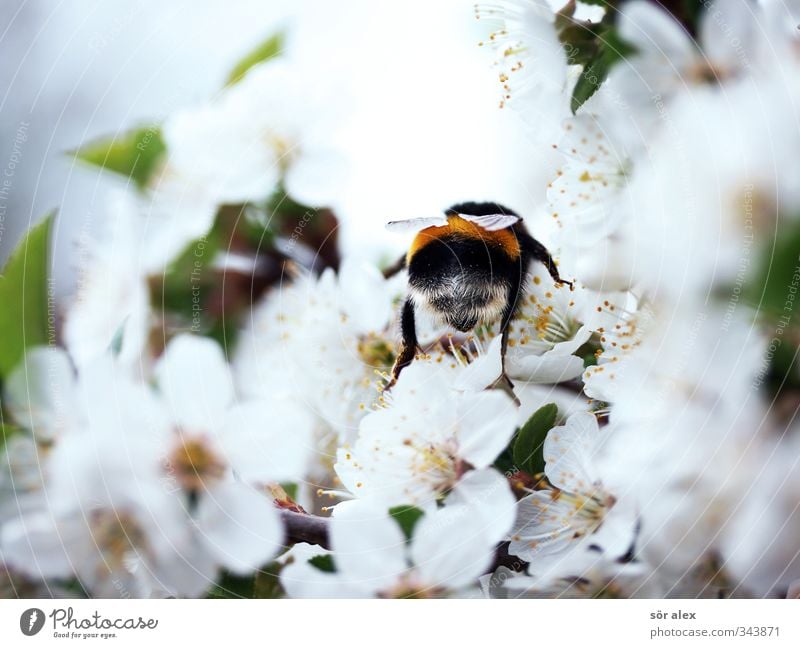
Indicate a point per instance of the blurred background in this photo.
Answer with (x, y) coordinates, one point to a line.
(74, 71)
(426, 129)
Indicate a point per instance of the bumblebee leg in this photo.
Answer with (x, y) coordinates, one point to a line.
(396, 267)
(503, 382)
(514, 294)
(540, 253)
(408, 348)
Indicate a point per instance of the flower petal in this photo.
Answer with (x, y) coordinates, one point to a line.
(240, 526)
(363, 296)
(40, 392)
(37, 546)
(317, 176)
(300, 579)
(652, 30)
(369, 547)
(196, 382)
(543, 526)
(486, 424)
(450, 549)
(268, 440)
(484, 370)
(570, 453)
(488, 496)
(545, 369)
(726, 33)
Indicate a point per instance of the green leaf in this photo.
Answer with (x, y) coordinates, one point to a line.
(587, 85)
(407, 517)
(692, 10)
(772, 286)
(527, 450)
(24, 313)
(598, 47)
(580, 43)
(135, 154)
(291, 489)
(777, 285)
(324, 563)
(505, 462)
(589, 360)
(270, 48)
(119, 337)
(267, 584)
(592, 78)
(231, 586)
(588, 352)
(7, 430)
(188, 289)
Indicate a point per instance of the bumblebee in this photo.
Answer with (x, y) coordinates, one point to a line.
(467, 267)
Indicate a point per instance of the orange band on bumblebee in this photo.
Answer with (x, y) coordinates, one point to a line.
(456, 226)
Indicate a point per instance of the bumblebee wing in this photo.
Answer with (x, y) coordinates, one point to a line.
(416, 224)
(492, 222)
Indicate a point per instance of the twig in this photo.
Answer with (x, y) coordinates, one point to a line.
(504, 559)
(303, 527)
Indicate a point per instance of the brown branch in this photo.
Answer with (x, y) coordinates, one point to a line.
(303, 527)
(504, 559)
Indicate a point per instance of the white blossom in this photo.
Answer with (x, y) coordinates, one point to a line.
(158, 490)
(111, 307)
(686, 410)
(759, 546)
(618, 341)
(737, 41)
(587, 575)
(707, 203)
(44, 395)
(103, 513)
(448, 551)
(277, 125)
(578, 512)
(551, 323)
(531, 62)
(220, 451)
(324, 342)
(426, 438)
(584, 200)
